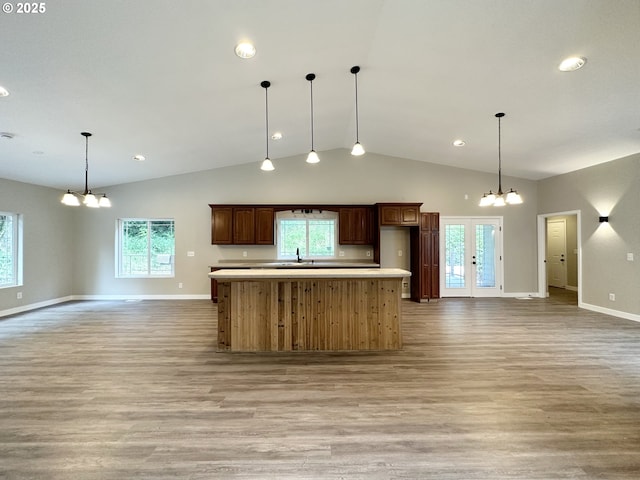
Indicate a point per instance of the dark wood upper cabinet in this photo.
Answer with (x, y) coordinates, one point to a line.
(244, 225)
(355, 226)
(399, 214)
(241, 225)
(221, 225)
(264, 218)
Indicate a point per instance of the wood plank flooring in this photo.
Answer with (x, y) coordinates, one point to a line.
(484, 389)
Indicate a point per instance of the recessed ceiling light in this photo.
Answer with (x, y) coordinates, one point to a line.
(459, 143)
(139, 158)
(3, 92)
(571, 64)
(276, 136)
(245, 50)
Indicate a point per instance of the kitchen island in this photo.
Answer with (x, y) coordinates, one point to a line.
(332, 309)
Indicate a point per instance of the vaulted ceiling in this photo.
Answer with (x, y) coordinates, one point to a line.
(161, 79)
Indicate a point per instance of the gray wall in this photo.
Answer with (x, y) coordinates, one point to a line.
(612, 189)
(48, 244)
(338, 178)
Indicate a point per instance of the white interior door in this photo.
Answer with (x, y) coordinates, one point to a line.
(557, 253)
(471, 252)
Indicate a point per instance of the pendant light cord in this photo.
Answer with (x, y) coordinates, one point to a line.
(266, 110)
(86, 164)
(311, 82)
(357, 122)
(499, 115)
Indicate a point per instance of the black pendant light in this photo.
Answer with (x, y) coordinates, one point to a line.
(72, 198)
(499, 199)
(267, 164)
(357, 149)
(313, 156)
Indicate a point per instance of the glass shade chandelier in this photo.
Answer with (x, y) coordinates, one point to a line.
(499, 199)
(357, 149)
(89, 198)
(313, 156)
(267, 164)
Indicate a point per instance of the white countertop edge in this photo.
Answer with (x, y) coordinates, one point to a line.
(294, 273)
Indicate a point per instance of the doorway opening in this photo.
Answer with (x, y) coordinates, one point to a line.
(559, 255)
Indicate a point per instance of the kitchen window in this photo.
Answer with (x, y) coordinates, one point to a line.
(307, 234)
(10, 249)
(145, 248)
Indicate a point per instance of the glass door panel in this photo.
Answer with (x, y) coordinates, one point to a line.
(471, 250)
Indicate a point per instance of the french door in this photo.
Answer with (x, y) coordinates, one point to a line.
(471, 252)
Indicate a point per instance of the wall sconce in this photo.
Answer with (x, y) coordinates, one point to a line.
(603, 219)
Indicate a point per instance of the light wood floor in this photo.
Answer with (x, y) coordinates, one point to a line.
(485, 389)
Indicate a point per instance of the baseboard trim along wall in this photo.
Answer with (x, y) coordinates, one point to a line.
(608, 311)
(33, 306)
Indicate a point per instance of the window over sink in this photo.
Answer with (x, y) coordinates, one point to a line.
(307, 234)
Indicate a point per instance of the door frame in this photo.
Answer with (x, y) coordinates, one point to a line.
(500, 251)
(542, 250)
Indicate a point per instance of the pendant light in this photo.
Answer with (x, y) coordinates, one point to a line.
(499, 199)
(313, 156)
(267, 165)
(357, 149)
(72, 198)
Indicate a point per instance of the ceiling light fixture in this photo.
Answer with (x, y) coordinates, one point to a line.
(276, 136)
(139, 158)
(71, 198)
(459, 143)
(313, 156)
(267, 164)
(572, 64)
(245, 50)
(357, 149)
(3, 92)
(498, 199)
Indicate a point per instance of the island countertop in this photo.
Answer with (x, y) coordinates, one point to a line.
(303, 273)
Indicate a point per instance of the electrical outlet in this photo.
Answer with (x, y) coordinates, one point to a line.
(630, 257)
(191, 254)
(341, 253)
(19, 295)
(612, 297)
(180, 285)
(244, 253)
(368, 253)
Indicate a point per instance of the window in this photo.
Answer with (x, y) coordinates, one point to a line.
(10, 249)
(146, 248)
(314, 235)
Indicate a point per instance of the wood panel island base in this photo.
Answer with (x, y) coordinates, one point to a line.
(284, 310)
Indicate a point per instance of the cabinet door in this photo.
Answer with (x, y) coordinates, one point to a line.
(355, 226)
(390, 215)
(410, 215)
(264, 226)
(244, 225)
(221, 225)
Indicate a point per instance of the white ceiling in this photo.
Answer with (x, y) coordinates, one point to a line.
(160, 78)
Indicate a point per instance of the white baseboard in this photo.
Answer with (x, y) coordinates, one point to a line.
(521, 295)
(70, 298)
(142, 297)
(608, 311)
(33, 306)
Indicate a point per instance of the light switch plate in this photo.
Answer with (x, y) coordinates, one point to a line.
(630, 257)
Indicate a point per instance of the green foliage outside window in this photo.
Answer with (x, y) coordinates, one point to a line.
(315, 238)
(147, 247)
(7, 251)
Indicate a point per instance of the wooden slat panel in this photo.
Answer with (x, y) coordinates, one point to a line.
(331, 314)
